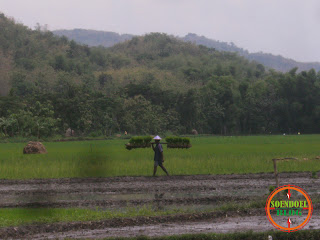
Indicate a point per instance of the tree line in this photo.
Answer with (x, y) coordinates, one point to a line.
(149, 85)
(279, 103)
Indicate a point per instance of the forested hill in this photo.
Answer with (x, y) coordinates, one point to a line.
(93, 38)
(107, 39)
(269, 60)
(152, 84)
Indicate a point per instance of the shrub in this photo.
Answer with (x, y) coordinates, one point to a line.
(96, 134)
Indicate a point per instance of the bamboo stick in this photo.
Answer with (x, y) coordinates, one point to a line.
(276, 174)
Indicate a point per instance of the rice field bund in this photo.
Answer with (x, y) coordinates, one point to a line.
(208, 155)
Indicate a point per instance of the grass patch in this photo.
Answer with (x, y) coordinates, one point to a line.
(232, 206)
(315, 175)
(278, 235)
(208, 155)
(24, 216)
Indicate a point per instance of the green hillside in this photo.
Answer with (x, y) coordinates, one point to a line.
(35, 60)
(269, 60)
(108, 39)
(151, 84)
(93, 38)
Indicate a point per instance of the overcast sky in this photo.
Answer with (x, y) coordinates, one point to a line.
(286, 27)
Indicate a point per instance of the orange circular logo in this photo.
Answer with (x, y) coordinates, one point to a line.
(289, 208)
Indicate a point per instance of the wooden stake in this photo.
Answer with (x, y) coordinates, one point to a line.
(276, 172)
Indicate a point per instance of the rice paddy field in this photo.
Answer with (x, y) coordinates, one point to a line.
(208, 155)
(100, 190)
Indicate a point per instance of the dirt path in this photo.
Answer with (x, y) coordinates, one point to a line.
(161, 191)
(222, 225)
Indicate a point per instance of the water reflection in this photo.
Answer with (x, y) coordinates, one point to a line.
(157, 202)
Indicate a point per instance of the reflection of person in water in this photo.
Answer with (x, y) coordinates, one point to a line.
(158, 201)
(158, 156)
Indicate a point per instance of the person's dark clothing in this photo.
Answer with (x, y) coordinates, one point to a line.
(157, 153)
(158, 159)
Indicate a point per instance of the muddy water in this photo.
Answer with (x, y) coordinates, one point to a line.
(225, 225)
(189, 193)
(142, 190)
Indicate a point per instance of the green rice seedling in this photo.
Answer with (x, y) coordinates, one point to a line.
(186, 140)
(137, 140)
(169, 140)
(208, 155)
(147, 140)
(132, 140)
(23, 216)
(178, 142)
(315, 175)
(271, 189)
(175, 140)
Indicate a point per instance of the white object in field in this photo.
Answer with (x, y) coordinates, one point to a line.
(269, 237)
(157, 137)
(284, 134)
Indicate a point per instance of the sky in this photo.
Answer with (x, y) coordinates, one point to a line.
(282, 27)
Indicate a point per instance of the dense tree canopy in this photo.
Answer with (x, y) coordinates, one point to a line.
(148, 85)
(108, 39)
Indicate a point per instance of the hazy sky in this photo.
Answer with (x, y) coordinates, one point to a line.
(286, 27)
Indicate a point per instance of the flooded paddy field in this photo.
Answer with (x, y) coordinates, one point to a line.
(204, 203)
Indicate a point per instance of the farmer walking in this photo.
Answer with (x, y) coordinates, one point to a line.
(158, 156)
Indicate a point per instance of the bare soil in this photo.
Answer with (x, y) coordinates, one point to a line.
(161, 192)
